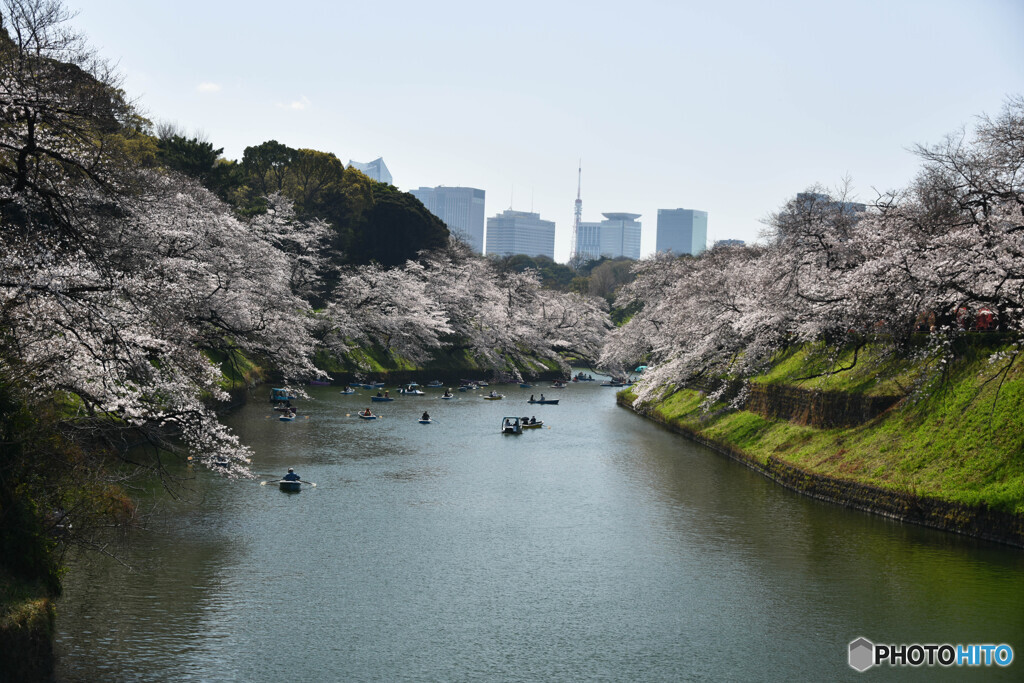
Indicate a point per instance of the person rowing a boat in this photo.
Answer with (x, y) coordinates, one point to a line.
(447, 393)
(367, 412)
(291, 476)
(426, 416)
(542, 397)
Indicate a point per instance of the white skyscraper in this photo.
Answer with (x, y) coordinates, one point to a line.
(375, 169)
(461, 209)
(520, 232)
(683, 231)
(617, 235)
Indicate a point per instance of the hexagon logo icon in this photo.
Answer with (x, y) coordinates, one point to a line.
(862, 654)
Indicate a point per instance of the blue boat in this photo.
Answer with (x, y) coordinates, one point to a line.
(280, 395)
(381, 398)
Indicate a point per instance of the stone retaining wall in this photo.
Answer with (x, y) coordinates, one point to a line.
(824, 409)
(978, 521)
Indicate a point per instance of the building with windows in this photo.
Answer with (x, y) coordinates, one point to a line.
(617, 235)
(461, 209)
(729, 243)
(520, 232)
(375, 169)
(682, 231)
(820, 200)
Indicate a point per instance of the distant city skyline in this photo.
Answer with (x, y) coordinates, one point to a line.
(759, 102)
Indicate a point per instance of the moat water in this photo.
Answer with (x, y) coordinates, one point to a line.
(600, 547)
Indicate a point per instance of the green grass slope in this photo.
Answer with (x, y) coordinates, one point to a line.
(960, 439)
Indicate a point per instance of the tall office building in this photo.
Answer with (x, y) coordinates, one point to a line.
(683, 231)
(810, 199)
(617, 235)
(461, 209)
(375, 169)
(520, 232)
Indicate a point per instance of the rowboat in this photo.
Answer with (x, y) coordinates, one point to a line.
(496, 397)
(525, 385)
(280, 395)
(381, 398)
(286, 418)
(545, 402)
(533, 425)
(347, 390)
(290, 486)
(425, 422)
(448, 397)
(366, 417)
(411, 391)
(435, 384)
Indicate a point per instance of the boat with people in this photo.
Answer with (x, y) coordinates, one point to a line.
(557, 384)
(511, 425)
(447, 395)
(379, 399)
(544, 401)
(411, 390)
(280, 395)
(494, 396)
(532, 423)
(425, 418)
(617, 382)
(366, 415)
(286, 417)
(581, 377)
(436, 384)
(347, 391)
(468, 387)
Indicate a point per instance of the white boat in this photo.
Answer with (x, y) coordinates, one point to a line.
(425, 422)
(347, 390)
(447, 397)
(511, 425)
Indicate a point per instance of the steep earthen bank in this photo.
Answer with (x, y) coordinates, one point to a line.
(978, 521)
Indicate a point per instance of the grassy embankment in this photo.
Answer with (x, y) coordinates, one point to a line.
(26, 630)
(960, 439)
(447, 364)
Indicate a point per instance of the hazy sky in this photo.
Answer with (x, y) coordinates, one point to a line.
(728, 107)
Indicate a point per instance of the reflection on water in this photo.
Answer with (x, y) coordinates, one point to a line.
(601, 548)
